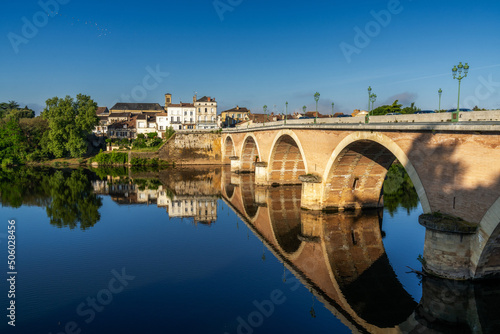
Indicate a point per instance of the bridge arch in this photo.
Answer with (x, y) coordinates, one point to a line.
(247, 188)
(229, 150)
(360, 270)
(287, 160)
(360, 162)
(485, 252)
(250, 153)
(284, 216)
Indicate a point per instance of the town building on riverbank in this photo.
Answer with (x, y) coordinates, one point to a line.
(206, 113)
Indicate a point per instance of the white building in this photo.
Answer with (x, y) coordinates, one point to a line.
(182, 116)
(206, 112)
(162, 122)
(146, 124)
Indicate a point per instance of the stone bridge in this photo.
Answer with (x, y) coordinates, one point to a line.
(455, 169)
(340, 258)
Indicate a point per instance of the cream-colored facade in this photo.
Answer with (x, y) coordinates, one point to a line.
(206, 112)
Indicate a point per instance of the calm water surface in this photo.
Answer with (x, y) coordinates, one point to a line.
(205, 251)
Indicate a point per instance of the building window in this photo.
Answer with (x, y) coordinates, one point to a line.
(161, 127)
(206, 109)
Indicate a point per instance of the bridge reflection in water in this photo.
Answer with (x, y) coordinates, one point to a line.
(341, 258)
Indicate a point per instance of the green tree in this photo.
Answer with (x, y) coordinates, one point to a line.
(7, 108)
(70, 123)
(73, 201)
(385, 109)
(33, 130)
(410, 110)
(399, 190)
(13, 144)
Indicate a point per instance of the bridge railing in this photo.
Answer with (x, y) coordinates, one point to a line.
(473, 116)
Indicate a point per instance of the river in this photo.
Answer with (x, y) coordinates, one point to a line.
(202, 250)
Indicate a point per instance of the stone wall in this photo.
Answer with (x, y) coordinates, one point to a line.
(193, 148)
(142, 155)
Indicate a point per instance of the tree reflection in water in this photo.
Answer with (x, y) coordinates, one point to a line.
(67, 195)
(399, 190)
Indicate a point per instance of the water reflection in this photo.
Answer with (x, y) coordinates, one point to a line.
(341, 258)
(184, 193)
(67, 195)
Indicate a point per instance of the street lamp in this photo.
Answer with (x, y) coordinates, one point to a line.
(457, 74)
(440, 91)
(373, 98)
(316, 98)
(286, 111)
(265, 113)
(333, 104)
(369, 97)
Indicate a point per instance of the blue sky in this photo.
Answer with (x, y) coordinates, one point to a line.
(251, 53)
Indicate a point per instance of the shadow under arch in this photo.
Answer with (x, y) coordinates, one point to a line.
(486, 247)
(287, 161)
(359, 163)
(359, 267)
(285, 218)
(229, 149)
(250, 153)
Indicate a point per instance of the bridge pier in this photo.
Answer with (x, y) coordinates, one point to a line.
(312, 192)
(449, 306)
(311, 226)
(261, 195)
(447, 248)
(235, 164)
(261, 173)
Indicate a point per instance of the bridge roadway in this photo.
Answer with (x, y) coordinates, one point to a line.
(340, 258)
(455, 168)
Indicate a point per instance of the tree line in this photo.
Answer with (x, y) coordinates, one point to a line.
(61, 130)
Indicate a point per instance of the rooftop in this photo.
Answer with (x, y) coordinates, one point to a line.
(102, 110)
(181, 105)
(137, 106)
(238, 109)
(206, 99)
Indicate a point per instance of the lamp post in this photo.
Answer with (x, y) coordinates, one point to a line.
(333, 104)
(265, 113)
(369, 98)
(286, 111)
(316, 98)
(440, 91)
(373, 98)
(457, 74)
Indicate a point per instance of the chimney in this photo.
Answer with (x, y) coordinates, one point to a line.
(194, 98)
(237, 107)
(208, 99)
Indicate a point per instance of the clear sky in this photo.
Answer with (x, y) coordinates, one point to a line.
(251, 53)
